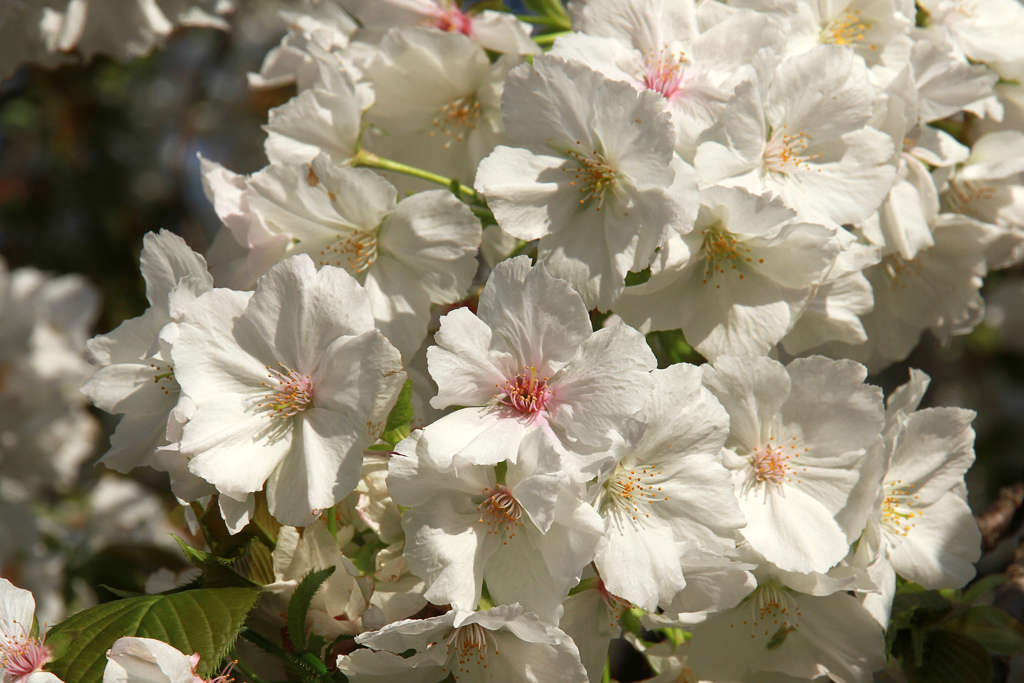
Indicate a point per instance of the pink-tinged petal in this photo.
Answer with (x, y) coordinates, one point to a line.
(539, 318)
(467, 370)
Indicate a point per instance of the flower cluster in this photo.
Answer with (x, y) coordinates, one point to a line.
(803, 189)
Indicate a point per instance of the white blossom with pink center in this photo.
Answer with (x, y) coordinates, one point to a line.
(527, 533)
(501, 644)
(802, 441)
(290, 383)
(529, 360)
(496, 31)
(22, 657)
(659, 45)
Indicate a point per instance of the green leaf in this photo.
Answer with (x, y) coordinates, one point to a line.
(399, 422)
(298, 606)
(992, 627)
(950, 658)
(206, 621)
(982, 586)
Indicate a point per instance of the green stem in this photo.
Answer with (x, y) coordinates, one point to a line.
(543, 21)
(371, 160)
(549, 38)
(606, 677)
(246, 671)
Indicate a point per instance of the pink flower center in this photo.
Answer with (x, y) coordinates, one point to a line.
(527, 393)
(452, 19)
(223, 677)
(500, 511)
(663, 72)
(774, 462)
(290, 393)
(770, 464)
(23, 657)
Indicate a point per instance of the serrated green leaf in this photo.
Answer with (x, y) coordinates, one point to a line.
(992, 627)
(982, 586)
(298, 606)
(950, 658)
(206, 621)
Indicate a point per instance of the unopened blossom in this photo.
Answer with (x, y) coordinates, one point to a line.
(290, 383)
(528, 359)
(921, 527)
(801, 131)
(22, 656)
(668, 488)
(408, 254)
(501, 644)
(740, 280)
(146, 660)
(799, 438)
(528, 534)
(591, 173)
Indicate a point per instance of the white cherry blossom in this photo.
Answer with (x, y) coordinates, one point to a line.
(22, 657)
(290, 383)
(668, 488)
(592, 174)
(136, 375)
(501, 644)
(438, 103)
(528, 535)
(408, 254)
(799, 437)
(146, 660)
(740, 280)
(801, 131)
(528, 359)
